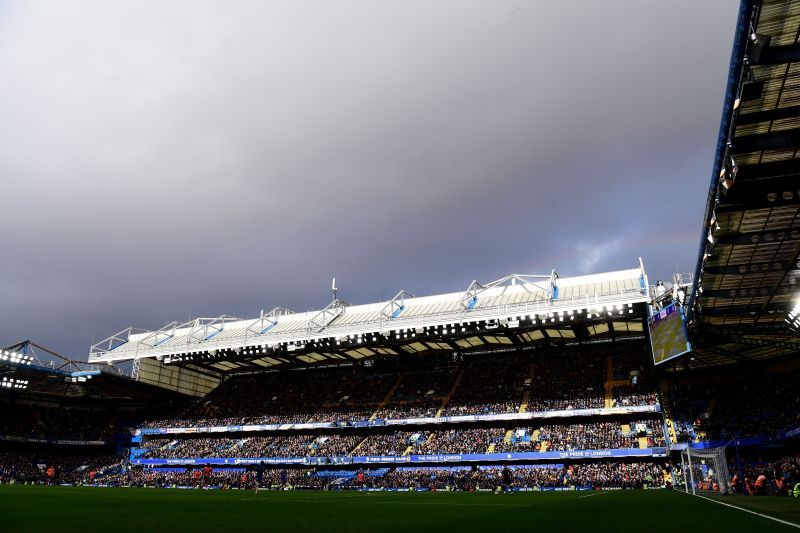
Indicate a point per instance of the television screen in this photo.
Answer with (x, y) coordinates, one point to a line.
(668, 333)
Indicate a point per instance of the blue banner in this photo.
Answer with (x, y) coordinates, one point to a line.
(790, 433)
(749, 441)
(413, 459)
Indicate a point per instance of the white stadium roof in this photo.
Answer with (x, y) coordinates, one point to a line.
(541, 299)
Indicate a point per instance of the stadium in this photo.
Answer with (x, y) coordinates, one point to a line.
(597, 401)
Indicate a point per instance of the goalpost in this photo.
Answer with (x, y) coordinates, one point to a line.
(705, 471)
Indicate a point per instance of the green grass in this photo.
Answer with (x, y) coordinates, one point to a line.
(36, 508)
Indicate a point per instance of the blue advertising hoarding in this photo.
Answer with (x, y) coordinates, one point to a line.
(412, 459)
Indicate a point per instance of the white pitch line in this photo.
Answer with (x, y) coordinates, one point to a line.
(749, 511)
(387, 502)
(590, 495)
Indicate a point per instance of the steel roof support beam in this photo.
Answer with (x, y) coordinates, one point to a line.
(755, 194)
(751, 341)
(759, 200)
(475, 288)
(203, 329)
(114, 341)
(202, 369)
(396, 304)
(758, 237)
(748, 292)
(265, 322)
(752, 268)
(160, 335)
(768, 115)
(776, 55)
(773, 140)
(768, 170)
(470, 296)
(731, 310)
(726, 353)
(327, 315)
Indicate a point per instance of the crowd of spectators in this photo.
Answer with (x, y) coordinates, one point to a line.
(239, 478)
(27, 468)
(763, 405)
(778, 477)
(688, 405)
(32, 467)
(598, 475)
(635, 369)
(551, 437)
(591, 436)
(394, 443)
(455, 441)
(37, 422)
(459, 441)
(630, 395)
(420, 394)
(574, 382)
(284, 445)
(357, 399)
(489, 386)
(272, 398)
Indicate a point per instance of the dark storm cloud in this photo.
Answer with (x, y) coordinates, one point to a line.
(166, 160)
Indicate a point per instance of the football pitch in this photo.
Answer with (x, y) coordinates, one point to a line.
(37, 508)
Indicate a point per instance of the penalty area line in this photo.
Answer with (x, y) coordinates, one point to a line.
(762, 515)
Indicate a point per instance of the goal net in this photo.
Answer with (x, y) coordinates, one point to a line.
(705, 471)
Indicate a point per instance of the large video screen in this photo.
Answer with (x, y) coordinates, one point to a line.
(668, 333)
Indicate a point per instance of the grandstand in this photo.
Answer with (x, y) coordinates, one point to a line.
(470, 378)
(67, 414)
(528, 382)
(526, 370)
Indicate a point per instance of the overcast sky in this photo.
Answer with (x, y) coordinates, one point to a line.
(166, 160)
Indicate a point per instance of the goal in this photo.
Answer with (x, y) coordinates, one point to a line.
(705, 471)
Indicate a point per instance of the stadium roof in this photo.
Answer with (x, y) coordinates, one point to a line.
(505, 314)
(30, 371)
(746, 281)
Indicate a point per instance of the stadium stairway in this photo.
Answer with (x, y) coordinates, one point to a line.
(611, 382)
(672, 435)
(354, 450)
(711, 405)
(526, 394)
(109, 430)
(386, 399)
(38, 424)
(453, 389)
